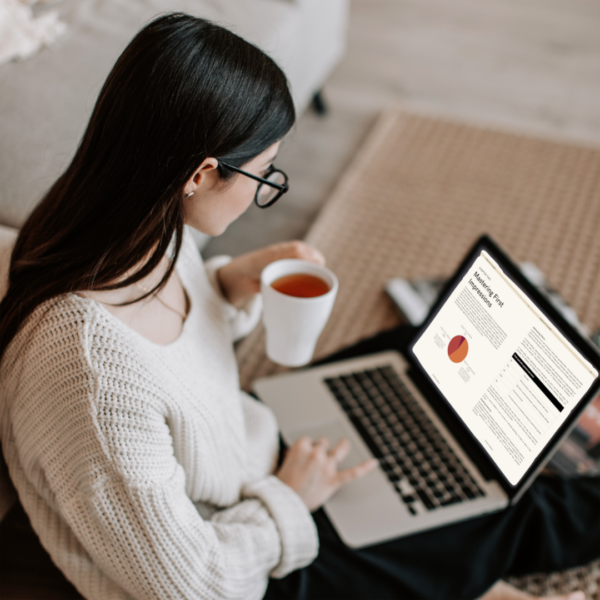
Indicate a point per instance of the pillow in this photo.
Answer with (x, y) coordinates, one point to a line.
(22, 35)
(8, 236)
(7, 240)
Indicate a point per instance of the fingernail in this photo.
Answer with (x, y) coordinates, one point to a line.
(579, 595)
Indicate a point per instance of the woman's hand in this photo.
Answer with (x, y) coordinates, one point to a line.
(240, 279)
(310, 469)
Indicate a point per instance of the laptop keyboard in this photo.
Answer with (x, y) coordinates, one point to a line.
(423, 468)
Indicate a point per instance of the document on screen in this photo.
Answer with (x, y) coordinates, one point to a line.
(511, 376)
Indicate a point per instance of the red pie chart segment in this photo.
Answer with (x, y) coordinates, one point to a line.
(458, 348)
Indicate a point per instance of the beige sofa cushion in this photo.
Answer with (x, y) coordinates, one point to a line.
(46, 100)
(7, 240)
(8, 235)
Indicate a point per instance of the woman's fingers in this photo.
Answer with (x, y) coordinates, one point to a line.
(311, 469)
(358, 471)
(240, 279)
(339, 452)
(296, 249)
(306, 252)
(321, 444)
(318, 451)
(304, 444)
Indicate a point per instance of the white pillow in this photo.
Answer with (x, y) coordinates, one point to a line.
(8, 236)
(22, 35)
(7, 241)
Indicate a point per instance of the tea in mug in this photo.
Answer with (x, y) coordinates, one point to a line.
(300, 285)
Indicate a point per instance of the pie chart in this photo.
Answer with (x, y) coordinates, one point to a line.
(458, 348)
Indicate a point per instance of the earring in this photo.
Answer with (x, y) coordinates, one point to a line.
(190, 194)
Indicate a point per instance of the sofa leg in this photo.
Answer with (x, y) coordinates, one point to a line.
(318, 104)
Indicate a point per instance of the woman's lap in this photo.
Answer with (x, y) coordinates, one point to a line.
(556, 525)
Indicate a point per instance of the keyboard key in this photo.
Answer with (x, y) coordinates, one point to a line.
(412, 453)
(425, 500)
(468, 493)
(451, 500)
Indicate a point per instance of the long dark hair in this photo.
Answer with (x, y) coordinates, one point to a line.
(183, 90)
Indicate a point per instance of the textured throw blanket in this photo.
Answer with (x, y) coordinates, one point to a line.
(21, 35)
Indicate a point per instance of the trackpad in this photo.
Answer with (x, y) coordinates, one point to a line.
(334, 431)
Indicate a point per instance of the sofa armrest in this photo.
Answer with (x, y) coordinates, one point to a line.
(7, 240)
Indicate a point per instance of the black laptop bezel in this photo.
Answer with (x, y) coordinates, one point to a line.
(485, 243)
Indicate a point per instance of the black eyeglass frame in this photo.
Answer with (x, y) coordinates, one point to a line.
(282, 188)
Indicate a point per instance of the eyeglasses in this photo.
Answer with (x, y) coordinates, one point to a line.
(271, 188)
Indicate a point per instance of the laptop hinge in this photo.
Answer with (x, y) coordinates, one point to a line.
(524, 485)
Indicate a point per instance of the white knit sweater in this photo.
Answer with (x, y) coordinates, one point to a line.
(144, 469)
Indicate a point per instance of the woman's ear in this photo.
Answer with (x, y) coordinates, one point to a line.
(200, 175)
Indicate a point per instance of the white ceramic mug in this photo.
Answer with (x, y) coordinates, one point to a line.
(294, 324)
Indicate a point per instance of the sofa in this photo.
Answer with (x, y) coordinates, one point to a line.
(7, 239)
(46, 100)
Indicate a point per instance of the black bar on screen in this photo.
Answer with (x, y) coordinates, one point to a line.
(537, 382)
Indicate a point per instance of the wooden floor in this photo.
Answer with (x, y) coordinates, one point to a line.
(528, 65)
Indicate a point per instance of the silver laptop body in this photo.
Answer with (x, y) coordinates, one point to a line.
(509, 375)
(371, 509)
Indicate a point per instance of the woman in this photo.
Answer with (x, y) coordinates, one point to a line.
(144, 469)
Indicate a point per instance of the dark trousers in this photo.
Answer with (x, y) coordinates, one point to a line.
(555, 526)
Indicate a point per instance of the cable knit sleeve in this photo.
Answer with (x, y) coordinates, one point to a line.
(137, 522)
(299, 534)
(151, 541)
(242, 320)
(96, 439)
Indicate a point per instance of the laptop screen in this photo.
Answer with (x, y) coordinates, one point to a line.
(506, 370)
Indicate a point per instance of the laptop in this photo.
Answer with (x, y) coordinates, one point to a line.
(462, 423)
